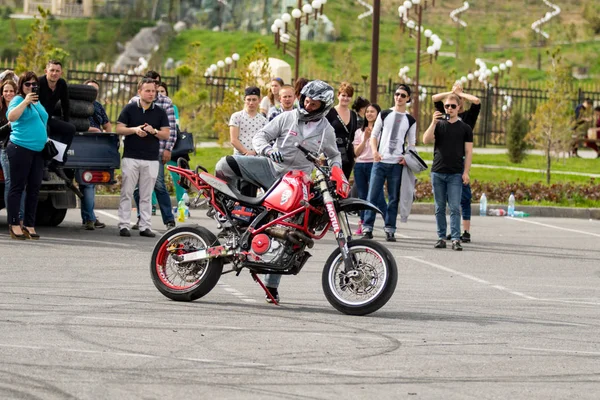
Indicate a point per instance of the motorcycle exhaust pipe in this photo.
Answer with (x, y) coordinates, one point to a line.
(295, 237)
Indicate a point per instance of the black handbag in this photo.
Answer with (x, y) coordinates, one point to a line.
(49, 151)
(183, 146)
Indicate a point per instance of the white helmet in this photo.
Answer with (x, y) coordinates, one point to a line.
(315, 90)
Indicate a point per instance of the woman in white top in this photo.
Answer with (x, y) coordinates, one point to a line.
(271, 99)
(364, 156)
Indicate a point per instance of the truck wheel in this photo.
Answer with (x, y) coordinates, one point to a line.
(82, 92)
(48, 215)
(81, 124)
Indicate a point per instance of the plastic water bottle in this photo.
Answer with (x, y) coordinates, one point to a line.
(181, 211)
(521, 214)
(497, 212)
(483, 205)
(186, 200)
(511, 205)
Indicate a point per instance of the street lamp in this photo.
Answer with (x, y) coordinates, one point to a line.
(459, 22)
(433, 42)
(291, 41)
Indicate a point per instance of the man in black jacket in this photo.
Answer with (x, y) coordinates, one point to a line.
(53, 88)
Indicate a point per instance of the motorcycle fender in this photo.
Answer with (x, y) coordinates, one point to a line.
(352, 204)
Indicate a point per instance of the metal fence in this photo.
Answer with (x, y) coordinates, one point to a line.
(497, 103)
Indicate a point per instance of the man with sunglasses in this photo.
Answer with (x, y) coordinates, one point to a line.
(470, 118)
(453, 151)
(392, 129)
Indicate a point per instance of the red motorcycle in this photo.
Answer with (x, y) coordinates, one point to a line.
(270, 234)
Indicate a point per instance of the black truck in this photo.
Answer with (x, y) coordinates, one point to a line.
(92, 159)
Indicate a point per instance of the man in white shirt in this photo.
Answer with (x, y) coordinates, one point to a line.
(393, 128)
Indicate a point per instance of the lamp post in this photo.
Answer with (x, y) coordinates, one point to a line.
(432, 49)
(290, 42)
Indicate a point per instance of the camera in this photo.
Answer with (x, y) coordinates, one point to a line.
(34, 89)
(445, 117)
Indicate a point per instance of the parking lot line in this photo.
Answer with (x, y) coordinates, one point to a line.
(471, 277)
(554, 226)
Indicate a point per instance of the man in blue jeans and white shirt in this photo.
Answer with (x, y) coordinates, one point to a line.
(452, 154)
(388, 141)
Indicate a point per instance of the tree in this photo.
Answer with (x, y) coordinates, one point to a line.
(552, 121)
(515, 138)
(37, 49)
(191, 98)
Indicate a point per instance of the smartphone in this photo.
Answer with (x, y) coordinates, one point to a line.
(35, 89)
(445, 117)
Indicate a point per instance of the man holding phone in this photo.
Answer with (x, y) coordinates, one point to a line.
(453, 151)
(470, 118)
(143, 124)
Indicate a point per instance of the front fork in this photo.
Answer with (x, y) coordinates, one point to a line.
(339, 223)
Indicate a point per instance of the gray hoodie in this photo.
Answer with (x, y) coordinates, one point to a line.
(286, 132)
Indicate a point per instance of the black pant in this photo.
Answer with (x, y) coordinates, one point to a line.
(61, 131)
(26, 169)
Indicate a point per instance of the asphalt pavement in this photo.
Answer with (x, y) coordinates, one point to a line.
(515, 315)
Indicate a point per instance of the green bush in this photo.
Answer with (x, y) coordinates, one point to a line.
(515, 137)
(591, 13)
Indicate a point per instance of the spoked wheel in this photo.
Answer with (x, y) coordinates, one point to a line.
(184, 281)
(368, 286)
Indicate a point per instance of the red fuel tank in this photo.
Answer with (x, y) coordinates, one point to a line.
(293, 188)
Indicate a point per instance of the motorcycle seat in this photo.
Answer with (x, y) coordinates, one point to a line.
(252, 201)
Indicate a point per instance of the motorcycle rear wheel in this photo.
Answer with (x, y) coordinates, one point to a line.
(189, 281)
(369, 286)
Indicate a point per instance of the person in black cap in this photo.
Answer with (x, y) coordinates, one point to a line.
(243, 125)
(394, 130)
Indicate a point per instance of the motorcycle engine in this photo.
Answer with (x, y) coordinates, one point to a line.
(266, 249)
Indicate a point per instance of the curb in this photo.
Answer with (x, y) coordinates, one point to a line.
(111, 202)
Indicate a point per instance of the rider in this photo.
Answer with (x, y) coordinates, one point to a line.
(307, 126)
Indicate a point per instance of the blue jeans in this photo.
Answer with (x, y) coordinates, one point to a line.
(162, 196)
(447, 187)
(382, 172)
(465, 202)
(88, 202)
(6, 171)
(362, 175)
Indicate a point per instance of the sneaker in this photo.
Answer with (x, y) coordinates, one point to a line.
(368, 235)
(98, 224)
(359, 231)
(170, 224)
(389, 237)
(440, 244)
(456, 245)
(124, 232)
(274, 293)
(153, 210)
(89, 226)
(465, 237)
(136, 226)
(147, 233)
(449, 237)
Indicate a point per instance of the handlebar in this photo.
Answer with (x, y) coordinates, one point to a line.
(309, 155)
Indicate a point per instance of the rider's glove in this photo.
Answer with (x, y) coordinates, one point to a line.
(276, 156)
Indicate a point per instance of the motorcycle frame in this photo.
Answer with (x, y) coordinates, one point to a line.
(209, 192)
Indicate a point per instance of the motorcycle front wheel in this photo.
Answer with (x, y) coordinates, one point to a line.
(185, 281)
(367, 287)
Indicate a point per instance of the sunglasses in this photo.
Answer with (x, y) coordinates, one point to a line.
(30, 84)
(452, 106)
(401, 95)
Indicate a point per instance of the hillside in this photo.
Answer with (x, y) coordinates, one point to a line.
(84, 39)
(496, 31)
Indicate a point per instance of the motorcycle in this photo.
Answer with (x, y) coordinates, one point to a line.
(270, 234)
